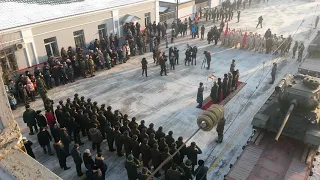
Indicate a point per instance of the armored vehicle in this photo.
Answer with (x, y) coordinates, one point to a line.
(311, 65)
(294, 110)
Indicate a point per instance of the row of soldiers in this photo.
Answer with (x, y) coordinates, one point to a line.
(219, 14)
(222, 89)
(154, 146)
(268, 43)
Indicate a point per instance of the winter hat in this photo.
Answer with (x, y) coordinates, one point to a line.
(188, 162)
(144, 170)
(130, 157)
(87, 151)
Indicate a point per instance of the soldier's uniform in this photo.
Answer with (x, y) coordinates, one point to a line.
(225, 86)
(220, 128)
(230, 78)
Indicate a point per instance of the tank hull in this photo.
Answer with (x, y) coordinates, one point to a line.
(265, 158)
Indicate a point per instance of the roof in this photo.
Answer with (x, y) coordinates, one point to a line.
(15, 13)
(175, 1)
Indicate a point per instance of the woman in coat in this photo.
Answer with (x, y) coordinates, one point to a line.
(30, 89)
(200, 95)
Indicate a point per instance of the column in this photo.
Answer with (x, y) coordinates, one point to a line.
(27, 36)
(115, 18)
(157, 16)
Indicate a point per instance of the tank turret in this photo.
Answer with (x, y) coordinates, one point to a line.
(292, 110)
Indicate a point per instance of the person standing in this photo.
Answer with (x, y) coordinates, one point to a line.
(110, 136)
(27, 144)
(238, 16)
(192, 152)
(202, 31)
(201, 171)
(162, 61)
(76, 155)
(29, 117)
(99, 161)
(61, 154)
(96, 137)
(214, 92)
(208, 57)
(42, 89)
(260, 19)
(65, 139)
(44, 139)
(294, 49)
(273, 72)
(232, 66)
(172, 61)
(132, 168)
(200, 95)
(41, 120)
(220, 128)
(300, 52)
(144, 64)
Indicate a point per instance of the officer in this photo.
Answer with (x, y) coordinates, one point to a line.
(214, 92)
(225, 86)
(219, 84)
(232, 66)
(220, 128)
(119, 138)
(273, 72)
(176, 55)
(202, 31)
(194, 55)
(208, 57)
(110, 136)
(156, 158)
(145, 152)
(230, 79)
(162, 61)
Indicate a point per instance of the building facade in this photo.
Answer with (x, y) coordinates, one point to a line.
(29, 45)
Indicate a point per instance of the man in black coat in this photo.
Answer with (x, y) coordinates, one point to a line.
(201, 171)
(61, 154)
(110, 136)
(145, 152)
(102, 120)
(208, 57)
(159, 134)
(65, 139)
(219, 84)
(44, 139)
(225, 86)
(151, 129)
(96, 137)
(76, 155)
(29, 117)
(119, 139)
(156, 158)
(27, 144)
(169, 138)
(60, 116)
(214, 92)
(99, 161)
(144, 63)
(175, 173)
(260, 19)
(132, 168)
(202, 31)
(55, 131)
(127, 143)
(192, 152)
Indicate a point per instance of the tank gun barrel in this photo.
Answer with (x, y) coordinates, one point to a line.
(293, 104)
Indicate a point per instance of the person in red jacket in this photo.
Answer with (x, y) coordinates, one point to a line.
(50, 117)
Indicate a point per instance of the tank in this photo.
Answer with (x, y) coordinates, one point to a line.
(292, 110)
(310, 65)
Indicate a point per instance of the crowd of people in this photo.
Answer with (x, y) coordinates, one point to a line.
(142, 146)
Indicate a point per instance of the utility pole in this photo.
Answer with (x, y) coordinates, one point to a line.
(177, 10)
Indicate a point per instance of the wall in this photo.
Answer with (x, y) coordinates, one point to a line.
(139, 11)
(63, 31)
(186, 9)
(214, 3)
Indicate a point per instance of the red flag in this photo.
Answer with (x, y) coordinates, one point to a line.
(226, 31)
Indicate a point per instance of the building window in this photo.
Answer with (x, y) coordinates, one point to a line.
(79, 38)
(51, 46)
(8, 62)
(147, 18)
(102, 31)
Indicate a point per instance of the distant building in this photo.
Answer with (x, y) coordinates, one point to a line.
(186, 8)
(30, 31)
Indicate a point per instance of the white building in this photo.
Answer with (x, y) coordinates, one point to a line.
(186, 8)
(29, 31)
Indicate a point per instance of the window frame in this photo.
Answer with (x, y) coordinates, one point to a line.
(147, 18)
(102, 30)
(53, 44)
(79, 34)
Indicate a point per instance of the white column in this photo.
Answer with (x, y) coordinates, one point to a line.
(27, 36)
(157, 16)
(115, 18)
